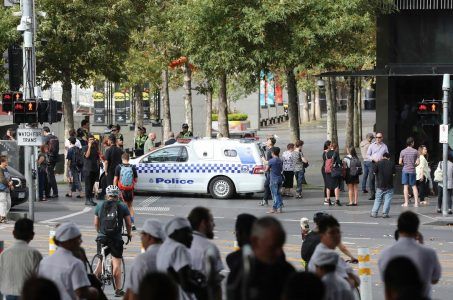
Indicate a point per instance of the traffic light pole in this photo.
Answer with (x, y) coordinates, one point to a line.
(446, 90)
(27, 26)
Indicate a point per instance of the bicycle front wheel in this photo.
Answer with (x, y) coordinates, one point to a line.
(120, 286)
(98, 268)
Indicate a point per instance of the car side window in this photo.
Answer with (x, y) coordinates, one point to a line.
(172, 154)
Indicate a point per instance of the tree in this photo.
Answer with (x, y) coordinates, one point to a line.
(8, 36)
(215, 39)
(350, 113)
(83, 38)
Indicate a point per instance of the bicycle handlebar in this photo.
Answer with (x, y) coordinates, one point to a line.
(128, 238)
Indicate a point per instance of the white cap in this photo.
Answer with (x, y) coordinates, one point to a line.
(154, 228)
(67, 231)
(325, 258)
(175, 224)
(304, 223)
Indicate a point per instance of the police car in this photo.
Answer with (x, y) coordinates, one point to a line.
(220, 167)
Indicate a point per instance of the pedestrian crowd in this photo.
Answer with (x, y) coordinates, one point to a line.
(181, 261)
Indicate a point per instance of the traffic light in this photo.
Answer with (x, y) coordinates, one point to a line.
(7, 102)
(429, 107)
(12, 62)
(19, 115)
(43, 111)
(55, 109)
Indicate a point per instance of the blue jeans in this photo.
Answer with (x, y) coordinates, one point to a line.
(10, 297)
(382, 196)
(367, 168)
(275, 189)
(75, 186)
(299, 179)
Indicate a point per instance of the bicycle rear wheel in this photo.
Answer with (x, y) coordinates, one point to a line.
(123, 276)
(96, 262)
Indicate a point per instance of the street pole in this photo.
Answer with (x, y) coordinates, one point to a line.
(29, 74)
(446, 90)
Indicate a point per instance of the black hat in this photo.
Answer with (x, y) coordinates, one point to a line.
(185, 125)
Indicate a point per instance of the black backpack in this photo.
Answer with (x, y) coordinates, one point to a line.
(355, 166)
(77, 158)
(54, 146)
(110, 221)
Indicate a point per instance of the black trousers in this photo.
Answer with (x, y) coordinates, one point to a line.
(90, 178)
(267, 189)
(52, 182)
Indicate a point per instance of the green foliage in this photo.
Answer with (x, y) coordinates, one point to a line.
(8, 36)
(232, 117)
(84, 38)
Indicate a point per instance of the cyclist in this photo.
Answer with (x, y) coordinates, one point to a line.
(108, 221)
(125, 178)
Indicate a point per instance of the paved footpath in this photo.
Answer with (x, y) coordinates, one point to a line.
(358, 228)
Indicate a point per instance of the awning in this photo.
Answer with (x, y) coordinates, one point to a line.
(392, 70)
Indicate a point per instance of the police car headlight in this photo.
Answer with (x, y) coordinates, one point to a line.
(16, 182)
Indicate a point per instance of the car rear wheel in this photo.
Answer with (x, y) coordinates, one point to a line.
(221, 188)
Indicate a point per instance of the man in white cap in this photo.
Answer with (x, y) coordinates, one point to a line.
(152, 236)
(202, 248)
(337, 288)
(65, 270)
(174, 257)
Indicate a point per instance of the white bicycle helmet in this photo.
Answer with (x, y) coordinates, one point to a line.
(112, 190)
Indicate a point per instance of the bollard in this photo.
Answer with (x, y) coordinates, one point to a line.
(235, 245)
(52, 246)
(365, 274)
(142, 249)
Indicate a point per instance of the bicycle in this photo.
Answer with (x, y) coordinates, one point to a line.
(106, 275)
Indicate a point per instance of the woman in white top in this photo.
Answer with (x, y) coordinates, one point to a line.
(422, 172)
(449, 175)
(288, 170)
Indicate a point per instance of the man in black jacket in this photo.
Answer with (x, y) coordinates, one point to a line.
(385, 171)
(54, 148)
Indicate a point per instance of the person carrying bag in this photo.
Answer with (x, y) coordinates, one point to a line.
(5, 186)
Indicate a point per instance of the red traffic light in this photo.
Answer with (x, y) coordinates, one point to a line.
(19, 107)
(7, 102)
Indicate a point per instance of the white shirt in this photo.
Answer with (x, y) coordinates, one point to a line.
(66, 271)
(199, 250)
(21, 262)
(337, 288)
(175, 255)
(342, 268)
(142, 265)
(424, 258)
(68, 145)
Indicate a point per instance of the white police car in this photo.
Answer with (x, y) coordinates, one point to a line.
(220, 167)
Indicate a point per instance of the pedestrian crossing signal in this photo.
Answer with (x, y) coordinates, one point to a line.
(429, 108)
(7, 102)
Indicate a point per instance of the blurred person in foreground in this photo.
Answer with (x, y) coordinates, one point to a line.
(38, 288)
(269, 269)
(152, 236)
(20, 261)
(158, 286)
(64, 269)
(303, 286)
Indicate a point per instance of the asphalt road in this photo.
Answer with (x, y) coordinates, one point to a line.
(358, 229)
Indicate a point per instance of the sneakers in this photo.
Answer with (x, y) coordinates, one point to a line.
(134, 228)
(299, 196)
(365, 191)
(372, 198)
(338, 203)
(450, 212)
(327, 202)
(263, 203)
(385, 216)
(90, 202)
(373, 215)
(439, 211)
(119, 293)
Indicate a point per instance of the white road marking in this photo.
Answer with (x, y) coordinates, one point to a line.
(355, 238)
(85, 210)
(149, 201)
(426, 216)
(360, 223)
(152, 208)
(151, 214)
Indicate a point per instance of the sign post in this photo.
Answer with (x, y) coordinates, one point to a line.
(446, 90)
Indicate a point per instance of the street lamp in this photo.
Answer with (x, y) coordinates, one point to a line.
(320, 83)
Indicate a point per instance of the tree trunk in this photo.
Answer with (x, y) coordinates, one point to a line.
(359, 100)
(208, 98)
(356, 114)
(138, 104)
(67, 105)
(317, 104)
(331, 112)
(165, 95)
(188, 94)
(312, 106)
(335, 108)
(293, 105)
(350, 114)
(223, 107)
(305, 110)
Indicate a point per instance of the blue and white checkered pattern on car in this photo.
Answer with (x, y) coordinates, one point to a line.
(194, 168)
